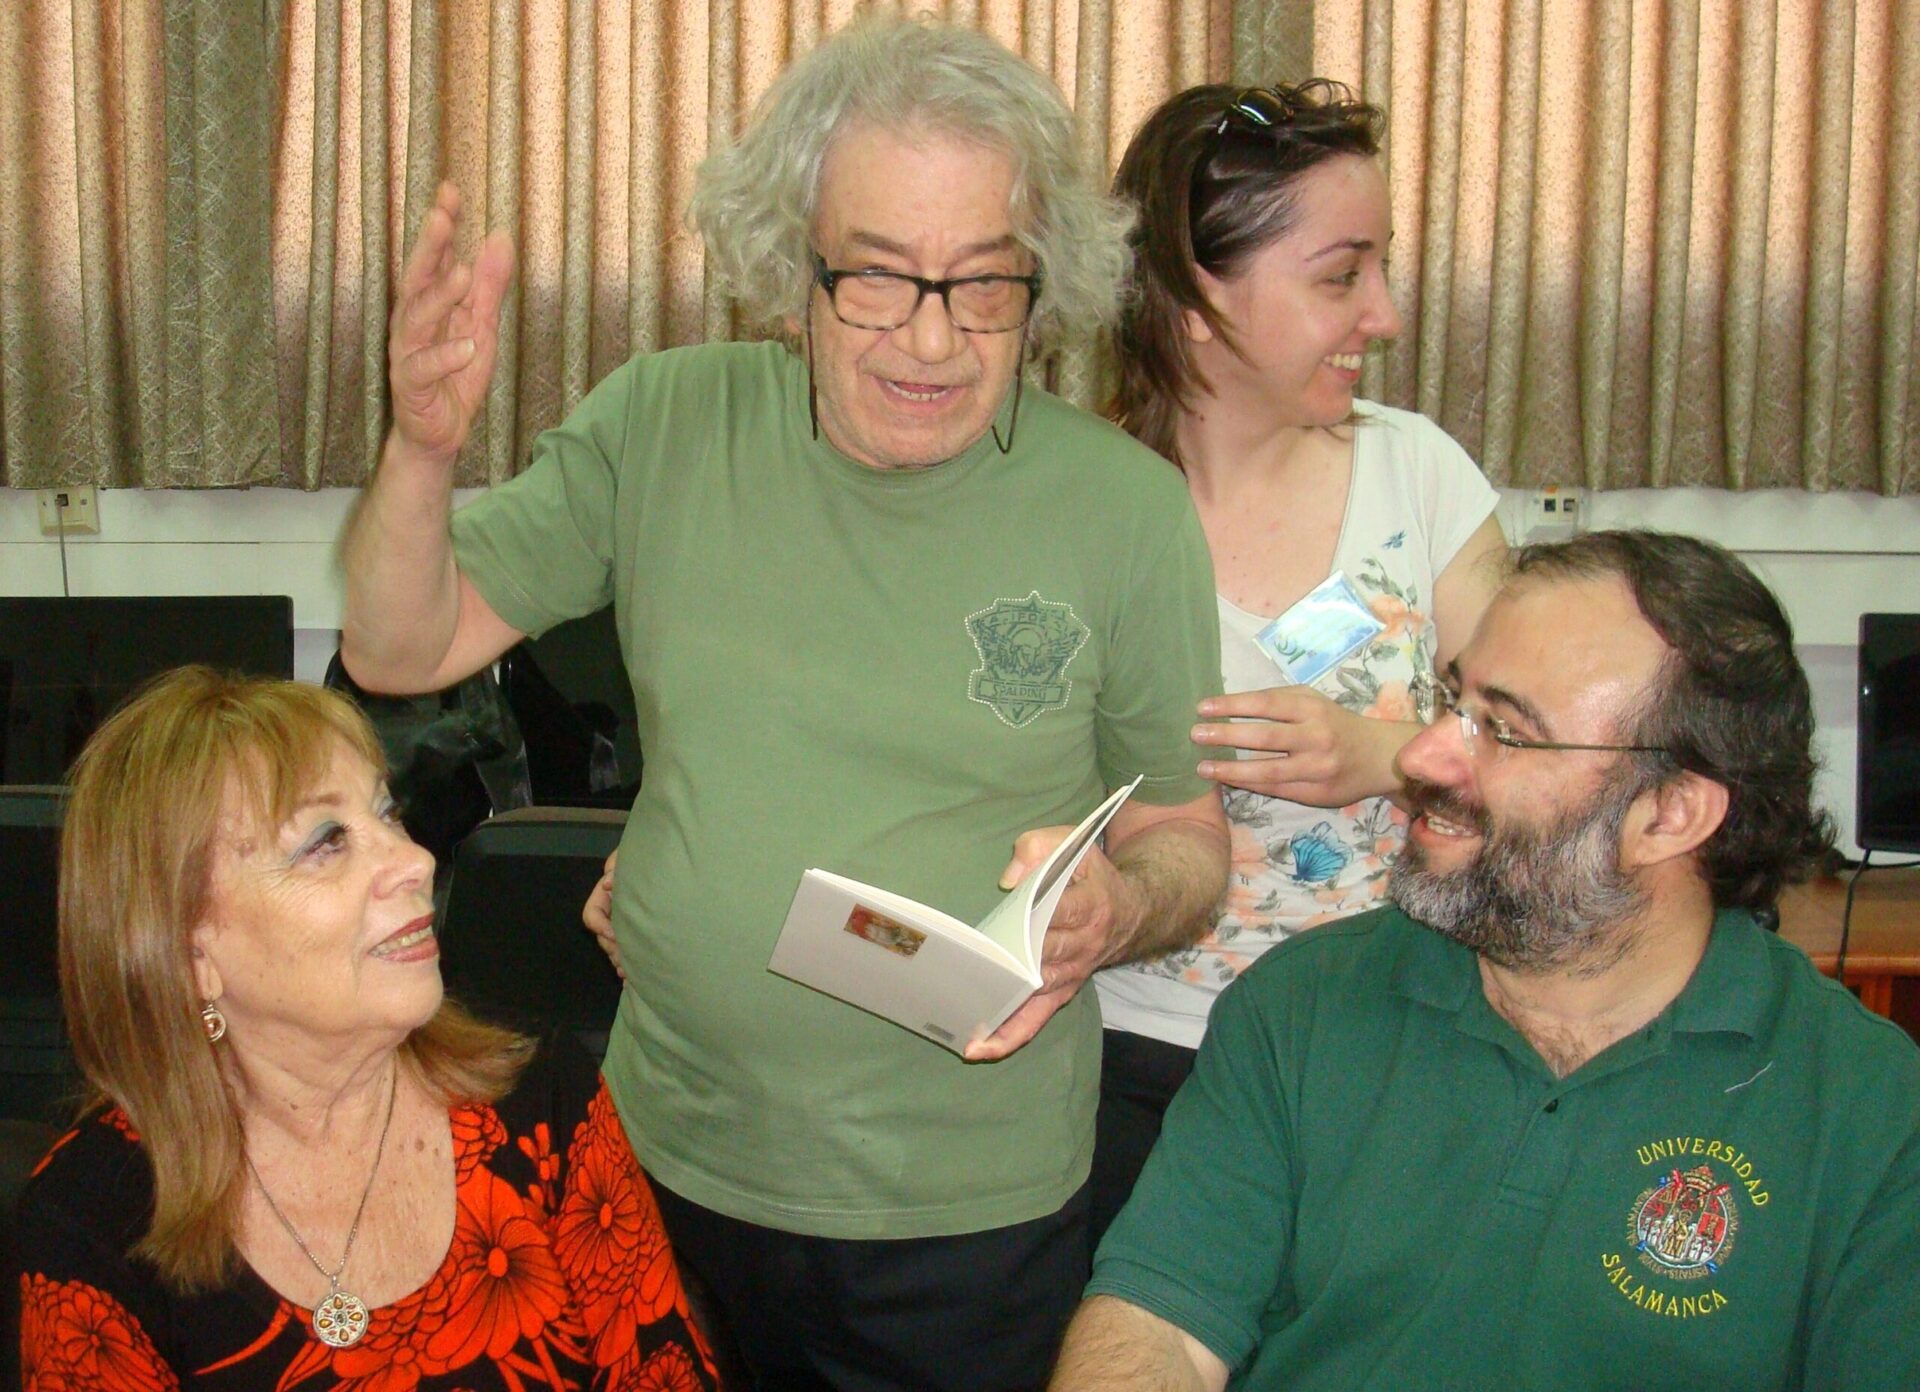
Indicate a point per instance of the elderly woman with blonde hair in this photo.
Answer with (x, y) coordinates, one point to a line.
(298, 1159)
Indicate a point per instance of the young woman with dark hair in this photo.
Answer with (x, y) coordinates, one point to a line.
(1354, 545)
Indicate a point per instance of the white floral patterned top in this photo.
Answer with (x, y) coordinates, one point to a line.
(1414, 500)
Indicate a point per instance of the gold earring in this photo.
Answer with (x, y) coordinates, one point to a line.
(213, 1022)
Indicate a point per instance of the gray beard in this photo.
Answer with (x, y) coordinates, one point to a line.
(1535, 899)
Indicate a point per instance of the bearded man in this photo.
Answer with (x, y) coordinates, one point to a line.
(1566, 1116)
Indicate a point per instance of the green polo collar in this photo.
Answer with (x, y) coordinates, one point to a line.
(1728, 991)
(1732, 987)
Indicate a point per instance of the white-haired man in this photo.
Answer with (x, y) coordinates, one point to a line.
(1567, 1117)
(824, 559)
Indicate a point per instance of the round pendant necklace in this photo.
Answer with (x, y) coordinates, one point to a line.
(341, 1318)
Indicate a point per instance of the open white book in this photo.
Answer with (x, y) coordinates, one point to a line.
(941, 978)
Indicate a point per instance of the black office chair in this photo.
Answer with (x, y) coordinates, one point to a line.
(512, 947)
(570, 693)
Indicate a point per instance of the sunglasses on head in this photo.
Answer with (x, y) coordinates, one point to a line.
(1260, 108)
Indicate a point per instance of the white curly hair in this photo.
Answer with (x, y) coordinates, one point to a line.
(754, 202)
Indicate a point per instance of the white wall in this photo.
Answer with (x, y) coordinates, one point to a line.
(194, 542)
(1829, 556)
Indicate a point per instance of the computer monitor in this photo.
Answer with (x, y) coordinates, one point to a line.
(1887, 812)
(30, 869)
(65, 663)
(38, 1078)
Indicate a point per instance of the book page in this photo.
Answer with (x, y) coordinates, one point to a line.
(1019, 922)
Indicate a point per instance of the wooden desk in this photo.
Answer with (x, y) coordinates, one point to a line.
(1884, 942)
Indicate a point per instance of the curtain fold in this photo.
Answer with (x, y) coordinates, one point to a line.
(207, 204)
(216, 326)
(135, 331)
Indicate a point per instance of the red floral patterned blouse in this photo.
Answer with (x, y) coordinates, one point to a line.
(559, 1274)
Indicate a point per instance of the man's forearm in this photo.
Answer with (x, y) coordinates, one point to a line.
(1114, 1345)
(402, 587)
(1175, 873)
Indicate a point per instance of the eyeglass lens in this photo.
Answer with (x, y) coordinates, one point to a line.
(1432, 700)
(978, 304)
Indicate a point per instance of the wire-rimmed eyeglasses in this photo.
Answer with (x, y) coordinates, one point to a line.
(884, 300)
(1433, 698)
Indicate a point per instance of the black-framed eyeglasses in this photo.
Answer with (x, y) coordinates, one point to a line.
(1432, 698)
(884, 300)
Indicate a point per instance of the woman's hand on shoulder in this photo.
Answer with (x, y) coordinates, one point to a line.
(1299, 745)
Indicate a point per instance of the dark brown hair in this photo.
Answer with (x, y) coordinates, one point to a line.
(1731, 703)
(1213, 187)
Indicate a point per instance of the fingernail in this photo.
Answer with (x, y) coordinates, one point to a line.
(1206, 769)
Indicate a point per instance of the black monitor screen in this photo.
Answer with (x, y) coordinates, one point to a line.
(66, 663)
(29, 868)
(1888, 810)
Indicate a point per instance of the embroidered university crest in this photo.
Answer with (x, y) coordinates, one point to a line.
(1685, 1226)
(1025, 646)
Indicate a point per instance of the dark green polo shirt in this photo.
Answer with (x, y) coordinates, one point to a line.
(1372, 1181)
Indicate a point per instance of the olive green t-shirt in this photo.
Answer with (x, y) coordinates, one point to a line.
(885, 674)
(1372, 1181)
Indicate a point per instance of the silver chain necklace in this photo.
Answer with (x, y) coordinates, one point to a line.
(341, 1319)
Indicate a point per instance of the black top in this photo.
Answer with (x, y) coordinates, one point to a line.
(558, 1275)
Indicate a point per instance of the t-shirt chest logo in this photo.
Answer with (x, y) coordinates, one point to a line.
(1683, 1226)
(1024, 646)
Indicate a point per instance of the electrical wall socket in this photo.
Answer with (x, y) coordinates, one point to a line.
(1554, 514)
(79, 512)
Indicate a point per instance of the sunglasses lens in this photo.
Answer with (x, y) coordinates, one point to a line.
(1261, 106)
(1253, 109)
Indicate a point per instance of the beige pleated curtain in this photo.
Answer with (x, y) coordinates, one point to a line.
(1643, 243)
(204, 203)
(1637, 242)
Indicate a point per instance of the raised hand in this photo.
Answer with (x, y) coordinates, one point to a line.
(445, 332)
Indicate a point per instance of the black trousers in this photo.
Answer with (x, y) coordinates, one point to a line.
(1138, 1078)
(974, 1313)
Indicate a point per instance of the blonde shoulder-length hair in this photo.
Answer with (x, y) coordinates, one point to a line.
(148, 798)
